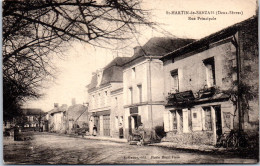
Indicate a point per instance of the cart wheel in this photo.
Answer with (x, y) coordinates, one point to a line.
(232, 142)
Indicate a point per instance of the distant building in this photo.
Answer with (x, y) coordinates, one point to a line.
(201, 82)
(76, 116)
(57, 118)
(31, 118)
(105, 98)
(143, 84)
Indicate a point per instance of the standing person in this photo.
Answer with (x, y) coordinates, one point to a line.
(94, 130)
(141, 131)
(121, 131)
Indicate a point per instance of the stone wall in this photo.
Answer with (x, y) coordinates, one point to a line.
(198, 138)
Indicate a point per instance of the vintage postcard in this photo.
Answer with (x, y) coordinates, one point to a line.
(130, 82)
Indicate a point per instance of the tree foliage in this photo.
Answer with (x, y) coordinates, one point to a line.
(33, 30)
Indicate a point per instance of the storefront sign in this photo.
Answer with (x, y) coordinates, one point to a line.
(99, 113)
(134, 110)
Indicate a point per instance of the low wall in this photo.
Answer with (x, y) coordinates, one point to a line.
(197, 138)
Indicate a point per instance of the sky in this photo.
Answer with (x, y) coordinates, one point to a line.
(81, 60)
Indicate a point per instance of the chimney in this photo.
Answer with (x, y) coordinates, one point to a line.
(136, 49)
(73, 101)
(56, 105)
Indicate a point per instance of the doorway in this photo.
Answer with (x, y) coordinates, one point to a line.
(218, 121)
(106, 125)
(96, 122)
(134, 122)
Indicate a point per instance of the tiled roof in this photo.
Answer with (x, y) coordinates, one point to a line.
(112, 73)
(62, 108)
(76, 111)
(159, 46)
(222, 34)
(118, 61)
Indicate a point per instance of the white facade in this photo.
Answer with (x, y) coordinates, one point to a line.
(143, 94)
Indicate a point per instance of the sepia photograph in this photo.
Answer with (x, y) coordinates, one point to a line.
(94, 82)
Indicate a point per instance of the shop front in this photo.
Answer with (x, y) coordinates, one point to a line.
(193, 120)
(101, 121)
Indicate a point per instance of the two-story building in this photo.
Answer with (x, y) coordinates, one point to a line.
(105, 98)
(143, 84)
(57, 118)
(211, 86)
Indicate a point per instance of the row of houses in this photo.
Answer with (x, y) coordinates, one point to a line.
(29, 119)
(61, 119)
(195, 90)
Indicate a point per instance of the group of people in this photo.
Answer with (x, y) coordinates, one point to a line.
(138, 131)
(121, 131)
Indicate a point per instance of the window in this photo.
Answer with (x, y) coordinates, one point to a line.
(116, 123)
(174, 81)
(208, 123)
(210, 71)
(116, 102)
(194, 115)
(99, 77)
(98, 102)
(93, 101)
(177, 120)
(121, 119)
(105, 98)
(133, 72)
(130, 97)
(139, 93)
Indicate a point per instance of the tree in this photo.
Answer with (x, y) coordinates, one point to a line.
(34, 30)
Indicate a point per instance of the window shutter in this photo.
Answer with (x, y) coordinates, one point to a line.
(203, 119)
(185, 121)
(166, 121)
(227, 118)
(208, 118)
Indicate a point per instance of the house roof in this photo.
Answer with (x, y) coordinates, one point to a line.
(118, 61)
(77, 110)
(62, 108)
(159, 46)
(111, 73)
(222, 34)
(32, 111)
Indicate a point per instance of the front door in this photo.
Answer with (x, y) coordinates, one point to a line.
(218, 121)
(96, 122)
(106, 125)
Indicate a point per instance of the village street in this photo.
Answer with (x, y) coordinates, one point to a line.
(46, 148)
